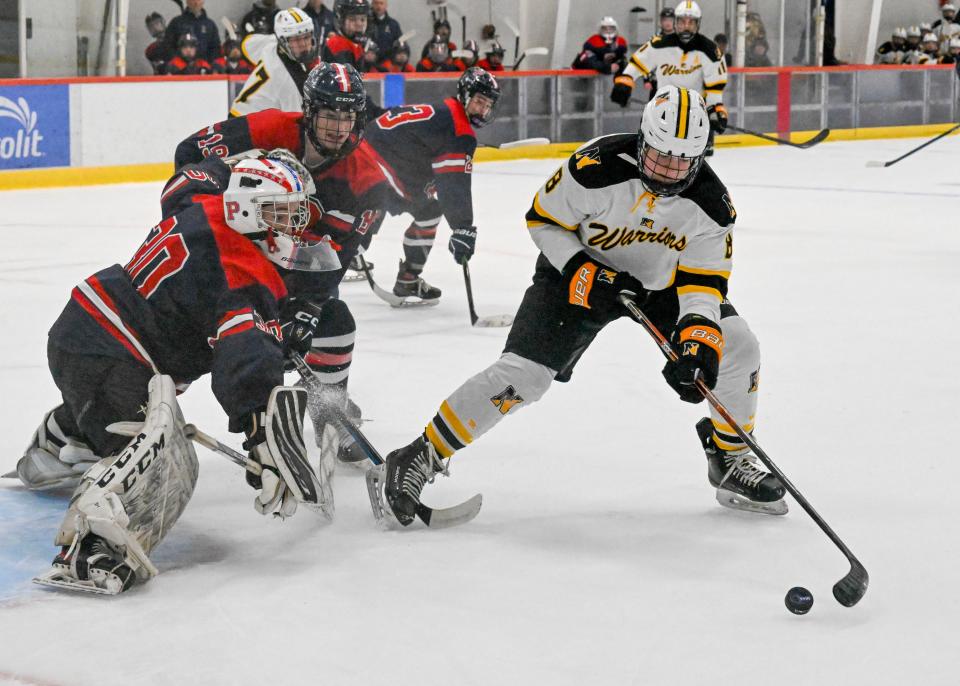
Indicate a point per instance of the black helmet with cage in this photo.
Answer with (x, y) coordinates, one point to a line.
(476, 81)
(351, 8)
(332, 87)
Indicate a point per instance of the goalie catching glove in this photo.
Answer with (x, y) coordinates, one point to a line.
(698, 343)
(595, 287)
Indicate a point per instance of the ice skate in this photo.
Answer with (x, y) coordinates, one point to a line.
(740, 484)
(89, 565)
(408, 470)
(413, 289)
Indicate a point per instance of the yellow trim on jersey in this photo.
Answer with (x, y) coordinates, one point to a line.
(726, 446)
(635, 62)
(543, 213)
(690, 290)
(243, 48)
(703, 272)
(454, 421)
(535, 225)
(727, 429)
(438, 442)
(235, 113)
(682, 123)
(720, 82)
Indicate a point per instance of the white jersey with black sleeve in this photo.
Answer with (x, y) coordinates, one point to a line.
(696, 64)
(597, 203)
(276, 81)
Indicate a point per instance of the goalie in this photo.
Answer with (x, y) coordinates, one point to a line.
(201, 295)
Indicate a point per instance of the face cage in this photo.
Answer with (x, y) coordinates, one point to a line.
(476, 119)
(686, 36)
(293, 205)
(306, 58)
(664, 188)
(608, 33)
(349, 145)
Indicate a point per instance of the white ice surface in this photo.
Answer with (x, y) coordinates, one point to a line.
(600, 556)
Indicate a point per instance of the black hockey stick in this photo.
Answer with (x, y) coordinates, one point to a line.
(877, 163)
(390, 298)
(435, 518)
(819, 138)
(851, 588)
(493, 321)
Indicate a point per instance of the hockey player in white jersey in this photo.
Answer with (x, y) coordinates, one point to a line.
(685, 58)
(282, 61)
(637, 213)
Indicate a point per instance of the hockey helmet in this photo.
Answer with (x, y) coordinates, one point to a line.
(295, 23)
(476, 81)
(336, 87)
(914, 32)
(688, 9)
(900, 33)
(186, 40)
(954, 45)
(949, 10)
(608, 29)
(930, 38)
(674, 130)
(400, 48)
(265, 200)
(351, 8)
(926, 27)
(494, 48)
(155, 24)
(438, 49)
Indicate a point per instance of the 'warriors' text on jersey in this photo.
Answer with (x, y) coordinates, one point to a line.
(696, 64)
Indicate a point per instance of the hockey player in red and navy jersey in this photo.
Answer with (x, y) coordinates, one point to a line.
(202, 295)
(430, 146)
(347, 45)
(604, 51)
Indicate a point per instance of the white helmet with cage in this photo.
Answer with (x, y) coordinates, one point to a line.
(688, 9)
(290, 24)
(608, 29)
(674, 131)
(266, 201)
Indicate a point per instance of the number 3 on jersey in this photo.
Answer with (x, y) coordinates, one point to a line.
(399, 116)
(163, 254)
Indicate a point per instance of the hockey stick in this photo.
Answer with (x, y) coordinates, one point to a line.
(390, 298)
(494, 321)
(516, 144)
(851, 588)
(877, 163)
(435, 518)
(818, 138)
(211, 443)
(529, 51)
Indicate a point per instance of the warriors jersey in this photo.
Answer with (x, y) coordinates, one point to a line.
(596, 203)
(276, 81)
(697, 65)
(196, 297)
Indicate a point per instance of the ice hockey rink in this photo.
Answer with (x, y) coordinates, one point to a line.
(600, 555)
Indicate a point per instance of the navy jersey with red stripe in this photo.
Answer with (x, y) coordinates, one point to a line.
(197, 297)
(354, 192)
(430, 146)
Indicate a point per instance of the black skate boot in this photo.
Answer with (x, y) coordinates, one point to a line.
(411, 285)
(740, 484)
(407, 471)
(92, 566)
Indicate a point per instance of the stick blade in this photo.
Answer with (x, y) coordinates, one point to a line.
(444, 517)
(494, 321)
(819, 138)
(876, 163)
(851, 588)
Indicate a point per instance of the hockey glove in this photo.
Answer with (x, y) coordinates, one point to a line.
(718, 118)
(299, 323)
(699, 344)
(462, 243)
(275, 497)
(622, 90)
(595, 286)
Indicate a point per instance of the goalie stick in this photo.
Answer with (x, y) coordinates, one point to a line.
(392, 299)
(818, 138)
(435, 518)
(852, 587)
(493, 321)
(877, 163)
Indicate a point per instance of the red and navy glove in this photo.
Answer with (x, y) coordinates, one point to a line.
(699, 346)
(595, 286)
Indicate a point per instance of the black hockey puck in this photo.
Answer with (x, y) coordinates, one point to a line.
(798, 600)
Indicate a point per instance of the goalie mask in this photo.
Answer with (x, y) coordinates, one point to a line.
(265, 201)
(295, 38)
(673, 137)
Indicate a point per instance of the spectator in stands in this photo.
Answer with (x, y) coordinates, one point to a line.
(604, 51)
(757, 55)
(399, 60)
(371, 55)
(347, 45)
(438, 56)
(260, 18)
(468, 56)
(946, 27)
(156, 52)
(384, 29)
(441, 28)
(722, 44)
(953, 52)
(892, 51)
(233, 61)
(667, 19)
(186, 62)
(194, 21)
(493, 59)
(324, 22)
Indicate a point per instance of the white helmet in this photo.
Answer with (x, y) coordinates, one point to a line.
(954, 43)
(925, 27)
(914, 32)
(674, 131)
(900, 32)
(930, 38)
(687, 8)
(265, 200)
(290, 24)
(608, 28)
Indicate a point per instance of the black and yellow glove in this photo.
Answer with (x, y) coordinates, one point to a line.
(699, 346)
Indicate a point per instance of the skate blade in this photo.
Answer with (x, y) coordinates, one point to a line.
(354, 277)
(375, 478)
(735, 501)
(410, 301)
(63, 582)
